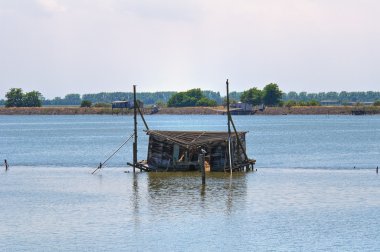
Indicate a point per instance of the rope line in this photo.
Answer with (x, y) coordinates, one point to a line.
(102, 165)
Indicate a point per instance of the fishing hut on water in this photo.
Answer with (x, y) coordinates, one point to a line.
(196, 150)
(182, 150)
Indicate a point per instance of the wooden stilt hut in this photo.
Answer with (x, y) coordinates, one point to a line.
(181, 150)
(190, 150)
(195, 150)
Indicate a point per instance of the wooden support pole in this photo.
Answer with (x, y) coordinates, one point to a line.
(202, 161)
(135, 129)
(142, 117)
(6, 165)
(229, 128)
(238, 139)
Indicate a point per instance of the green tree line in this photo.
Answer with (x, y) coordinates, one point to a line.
(69, 99)
(104, 97)
(253, 95)
(342, 97)
(145, 97)
(369, 96)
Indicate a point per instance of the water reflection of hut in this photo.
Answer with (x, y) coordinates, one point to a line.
(174, 191)
(180, 151)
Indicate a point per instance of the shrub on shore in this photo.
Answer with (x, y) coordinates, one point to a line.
(293, 103)
(270, 96)
(191, 98)
(290, 103)
(85, 104)
(205, 102)
(253, 96)
(102, 105)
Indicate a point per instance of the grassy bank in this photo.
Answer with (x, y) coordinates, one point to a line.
(318, 110)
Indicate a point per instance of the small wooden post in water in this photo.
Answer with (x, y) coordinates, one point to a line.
(135, 129)
(6, 165)
(202, 161)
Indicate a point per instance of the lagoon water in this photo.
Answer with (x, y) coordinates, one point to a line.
(306, 195)
(275, 141)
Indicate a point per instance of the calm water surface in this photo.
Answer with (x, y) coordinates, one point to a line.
(306, 196)
(275, 141)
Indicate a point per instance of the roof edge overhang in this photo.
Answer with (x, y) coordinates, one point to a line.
(190, 139)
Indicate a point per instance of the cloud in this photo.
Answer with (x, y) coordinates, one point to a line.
(51, 6)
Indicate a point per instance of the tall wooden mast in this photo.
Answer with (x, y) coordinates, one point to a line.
(135, 129)
(229, 128)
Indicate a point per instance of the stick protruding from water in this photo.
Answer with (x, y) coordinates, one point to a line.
(6, 165)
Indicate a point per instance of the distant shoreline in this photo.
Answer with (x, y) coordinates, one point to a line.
(296, 110)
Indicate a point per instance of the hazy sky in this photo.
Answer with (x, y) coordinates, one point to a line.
(86, 46)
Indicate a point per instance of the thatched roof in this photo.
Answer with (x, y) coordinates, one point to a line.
(193, 138)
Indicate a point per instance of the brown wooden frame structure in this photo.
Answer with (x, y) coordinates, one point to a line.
(182, 150)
